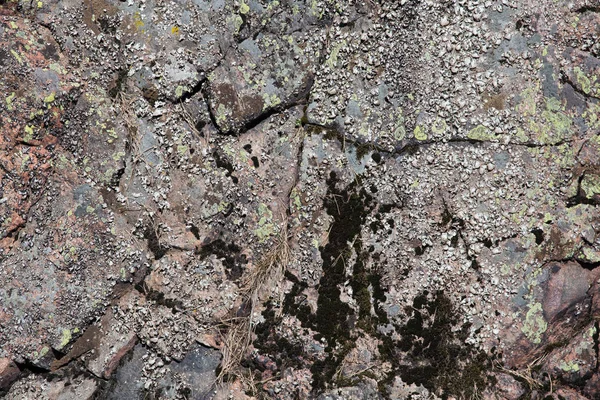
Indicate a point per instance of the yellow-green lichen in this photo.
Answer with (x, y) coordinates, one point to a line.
(528, 100)
(41, 353)
(569, 367)
(535, 325)
(481, 133)
(521, 136)
(591, 255)
(182, 149)
(584, 81)
(270, 101)
(556, 125)
(9, 101)
(137, 21)
(296, 201)
(592, 116)
(237, 21)
(244, 8)
(591, 185)
(266, 227)
(314, 9)
(28, 134)
(118, 156)
(65, 338)
(16, 56)
(399, 130)
(439, 126)
(221, 116)
(335, 52)
(419, 133)
(50, 98)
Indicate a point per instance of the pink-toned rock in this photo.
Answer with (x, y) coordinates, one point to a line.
(570, 394)
(210, 340)
(565, 303)
(9, 372)
(567, 286)
(506, 388)
(592, 386)
(83, 389)
(102, 346)
(575, 361)
(112, 346)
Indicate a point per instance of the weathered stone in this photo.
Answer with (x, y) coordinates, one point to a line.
(9, 372)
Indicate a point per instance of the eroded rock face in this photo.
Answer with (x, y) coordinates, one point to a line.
(299, 199)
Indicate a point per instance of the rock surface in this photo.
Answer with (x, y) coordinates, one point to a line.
(216, 199)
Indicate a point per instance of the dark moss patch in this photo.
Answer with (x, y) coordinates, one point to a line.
(159, 297)
(362, 150)
(195, 231)
(435, 354)
(118, 84)
(580, 197)
(154, 245)
(115, 179)
(539, 235)
(349, 208)
(230, 253)
(335, 320)
(268, 342)
(294, 303)
(360, 287)
(150, 93)
(222, 161)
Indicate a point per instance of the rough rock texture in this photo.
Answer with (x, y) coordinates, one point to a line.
(299, 199)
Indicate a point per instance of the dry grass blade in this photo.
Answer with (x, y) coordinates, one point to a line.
(268, 271)
(527, 374)
(256, 285)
